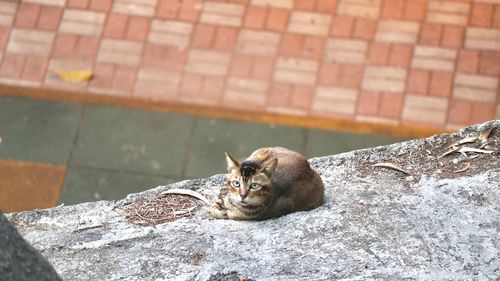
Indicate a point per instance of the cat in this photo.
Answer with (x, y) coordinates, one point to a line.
(271, 182)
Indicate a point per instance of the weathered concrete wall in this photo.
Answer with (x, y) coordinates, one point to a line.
(376, 223)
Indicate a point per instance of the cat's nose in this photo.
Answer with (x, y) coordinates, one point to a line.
(243, 194)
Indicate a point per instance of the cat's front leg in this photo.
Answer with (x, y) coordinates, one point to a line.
(217, 210)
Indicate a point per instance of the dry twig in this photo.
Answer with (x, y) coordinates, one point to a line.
(165, 208)
(390, 166)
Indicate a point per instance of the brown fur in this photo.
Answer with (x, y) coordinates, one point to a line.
(283, 180)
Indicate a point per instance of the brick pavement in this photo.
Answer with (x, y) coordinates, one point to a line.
(432, 63)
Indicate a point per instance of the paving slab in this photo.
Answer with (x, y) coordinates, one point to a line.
(212, 137)
(132, 140)
(85, 185)
(26, 185)
(37, 130)
(324, 142)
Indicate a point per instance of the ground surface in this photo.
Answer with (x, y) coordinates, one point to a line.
(72, 153)
(431, 222)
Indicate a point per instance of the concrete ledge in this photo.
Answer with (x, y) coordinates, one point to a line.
(435, 224)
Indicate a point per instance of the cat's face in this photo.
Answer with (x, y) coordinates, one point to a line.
(249, 182)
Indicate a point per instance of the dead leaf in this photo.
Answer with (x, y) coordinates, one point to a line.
(466, 149)
(467, 165)
(187, 192)
(390, 166)
(483, 137)
(75, 76)
(474, 157)
(0, 139)
(462, 141)
(455, 149)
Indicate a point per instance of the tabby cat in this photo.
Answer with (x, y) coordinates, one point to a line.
(271, 182)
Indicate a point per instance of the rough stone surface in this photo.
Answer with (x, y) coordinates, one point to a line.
(439, 223)
(18, 260)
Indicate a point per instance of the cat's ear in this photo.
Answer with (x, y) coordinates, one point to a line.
(232, 163)
(270, 166)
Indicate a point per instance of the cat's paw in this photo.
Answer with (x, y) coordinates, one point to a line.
(218, 211)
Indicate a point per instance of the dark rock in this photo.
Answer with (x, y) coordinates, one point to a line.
(19, 261)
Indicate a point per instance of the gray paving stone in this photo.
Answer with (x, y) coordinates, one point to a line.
(85, 185)
(323, 142)
(37, 130)
(212, 137)
(133, 140)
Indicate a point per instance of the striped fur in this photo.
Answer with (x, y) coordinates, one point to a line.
(271, 182)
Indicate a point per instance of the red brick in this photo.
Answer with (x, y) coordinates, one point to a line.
(138, 28)
(280, 94)
(441, 84)
(168, 8)
(255, 17)
(103, 76)
(204, 36)
(191, 85)
(481, 15)
(225, 38)
(369, 103)
(453, 36)
(342, 26)
(302, 97)
(430, 34)
(80, 4)
(190, 10)
(313, 47)
(459, 112)
(489, 63)
(327, 6)
(34, 68)
(175, 58)
(364, 28)
(213, 89)
(468, 61)
(244, 2)
(101, 5)
(124, 79)
(160, 55)
(64, 45)
(400, 55)
(87, 48)
(27, 15)
(49, 18)
(391, 105)
(12, 65)
(414, 10)
(496, 17)
(418, 82)
(393, 9)
(263, 68)
(329, 74)
(291, 44)
(154, 54)
(482, 112)
(4, 37)
(116, 26)
(277, 19)
(351, 75)
(308, 5)
(241, 66)
(379, 54)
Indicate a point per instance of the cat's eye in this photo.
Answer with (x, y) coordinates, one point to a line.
(235, 183)
(254, 185)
